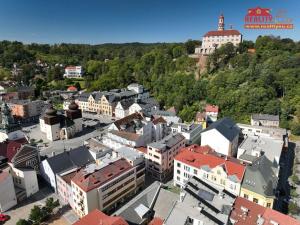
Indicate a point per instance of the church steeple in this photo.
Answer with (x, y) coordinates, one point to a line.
(221, 24)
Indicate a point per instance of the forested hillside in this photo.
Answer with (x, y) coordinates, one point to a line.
(241, 83)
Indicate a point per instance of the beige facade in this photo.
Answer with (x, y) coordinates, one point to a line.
(160, 156)
(257, 198)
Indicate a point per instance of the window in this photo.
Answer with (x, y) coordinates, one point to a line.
(187, 168)
(178, 178)
(255, 200)
(186, 175)
(218, 172)
(178, 171)
(268, 205)
(178, 164)
(213, 178)
(246, 196)
(195, 171)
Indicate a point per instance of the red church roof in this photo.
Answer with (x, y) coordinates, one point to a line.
(222, 33)
(198, 156)
(9, 148)
(97, 217)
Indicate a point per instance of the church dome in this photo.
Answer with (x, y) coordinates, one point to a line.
(51, 111)
(73, 105)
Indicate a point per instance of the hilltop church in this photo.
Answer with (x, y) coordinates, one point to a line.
(216, 38)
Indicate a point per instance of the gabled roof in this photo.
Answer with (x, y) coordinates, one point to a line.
(245, 212)
(260, 177)
(70, 159)
(25, 151)
(222, 33)
(9, 148)
(96, 217)
(146, 198)
(200, 156)
(159, 120)
(226, 127)
(128, 119)
(211, 108)
(265, 117)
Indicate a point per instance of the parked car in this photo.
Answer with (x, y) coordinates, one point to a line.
(3, 217)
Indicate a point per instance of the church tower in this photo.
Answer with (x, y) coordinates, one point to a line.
(221, 24)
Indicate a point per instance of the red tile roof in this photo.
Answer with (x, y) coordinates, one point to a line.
(128, 120)
(273, 215)
(222, 33)
(198, 156)
(89, 181)
(211, 108)
(96, 217)
(156, 221)
(9, 148)
(159, 120)
(239, 214)
(72, 88)
(142, 149)
(127, 135)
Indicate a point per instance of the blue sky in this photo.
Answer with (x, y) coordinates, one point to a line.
(102, 21)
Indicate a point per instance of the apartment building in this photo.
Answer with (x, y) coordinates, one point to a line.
(260, 182)
(160, 156)
(265, 120)
(200, 203)
(104, 188)
(105, 102)
(191, 132)
(204, 163)
(26, 109)
(222, 136)
(8, 199)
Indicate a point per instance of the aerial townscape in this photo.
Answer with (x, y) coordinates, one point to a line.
(197, 133)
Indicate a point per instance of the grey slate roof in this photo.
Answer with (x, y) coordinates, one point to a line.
(70, 159)
(260, 177)
(265, 117)
(145, 198)
(226, 127)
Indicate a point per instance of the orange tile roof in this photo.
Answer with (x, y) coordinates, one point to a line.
(159, 120)
(254, 211)
(280, 218)
(127, 135)
(89, 181)
(222, 33)
(142, 149)
(97, 217)
(211, 108)
(198, 156)
(72, 88)
(156, 221)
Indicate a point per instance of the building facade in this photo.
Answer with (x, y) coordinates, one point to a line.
(265, 120)
(215, 39)
(105, 188)
(203, 163)
(222, 136)
(73, 72)
(26, 109)
(160, 156)
(8, 197)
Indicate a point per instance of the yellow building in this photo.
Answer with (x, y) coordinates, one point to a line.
(260, 182)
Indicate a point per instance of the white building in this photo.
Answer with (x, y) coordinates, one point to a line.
(122, 108)
(25, 179)
(141, 92)
(215, 39)
(204, 163)
(104, 188)
(57, 126)
(73, 72)
(265, 120)
(8, 197)
(160, 156)
(64, 162)
(222, 136)
(191, 132)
